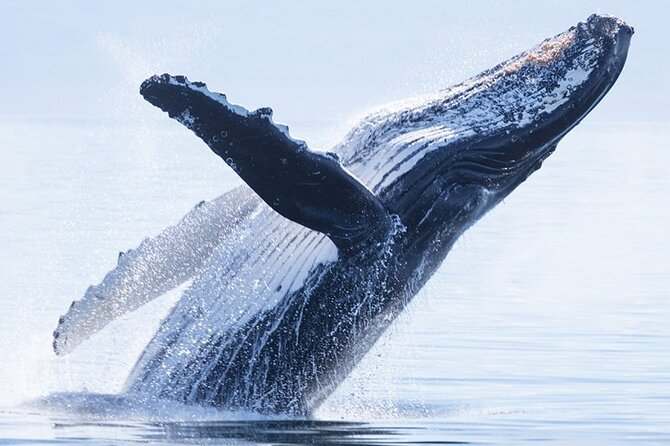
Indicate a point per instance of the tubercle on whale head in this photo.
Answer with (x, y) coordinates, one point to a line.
(559, 81)
(596, 26)
(494, 130)
(562, 80)
(576, 70)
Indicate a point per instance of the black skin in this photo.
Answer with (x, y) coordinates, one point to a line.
(300, 350)
(310, 188)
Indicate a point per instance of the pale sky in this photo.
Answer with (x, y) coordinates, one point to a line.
(309, 61)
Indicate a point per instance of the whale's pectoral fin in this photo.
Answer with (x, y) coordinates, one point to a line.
(156, 266)
(308, 187)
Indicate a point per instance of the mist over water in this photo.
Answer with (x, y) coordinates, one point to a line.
(547, 321)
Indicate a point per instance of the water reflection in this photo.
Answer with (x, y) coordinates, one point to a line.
(284, 432)
(281, 432)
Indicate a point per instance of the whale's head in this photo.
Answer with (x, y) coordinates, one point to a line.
(443, 161)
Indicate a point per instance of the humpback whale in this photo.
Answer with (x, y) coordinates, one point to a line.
(296, 274)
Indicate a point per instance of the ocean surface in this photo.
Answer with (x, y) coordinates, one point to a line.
(548, 322)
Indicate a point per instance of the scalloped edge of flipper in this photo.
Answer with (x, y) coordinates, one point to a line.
(186, 119)
(307, 187)
(156, 266)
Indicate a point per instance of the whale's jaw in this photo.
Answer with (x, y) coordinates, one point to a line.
(490, 133)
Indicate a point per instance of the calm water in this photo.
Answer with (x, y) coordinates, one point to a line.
(549, 321)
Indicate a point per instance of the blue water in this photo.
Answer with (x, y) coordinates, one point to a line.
(549, 321)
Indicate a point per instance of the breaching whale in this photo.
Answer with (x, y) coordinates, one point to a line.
(296, 274)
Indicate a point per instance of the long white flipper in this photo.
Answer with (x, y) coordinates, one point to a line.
(156, 266)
